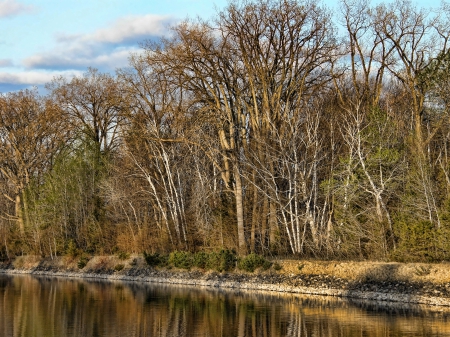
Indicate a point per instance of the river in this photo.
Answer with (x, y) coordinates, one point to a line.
(45, 306)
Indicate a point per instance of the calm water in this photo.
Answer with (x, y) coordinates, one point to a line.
(38, 306)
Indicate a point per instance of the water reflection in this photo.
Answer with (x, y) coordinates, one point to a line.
(37, 306)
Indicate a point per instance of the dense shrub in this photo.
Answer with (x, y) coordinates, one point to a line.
(118, 267)
(277, 266)
(252, 262)
(224, 260)
(72, 249)
(123, 255)
(201, 260)
(3, 254)
(181, 259)
(82, 262)
(421, 241)
(156, 260)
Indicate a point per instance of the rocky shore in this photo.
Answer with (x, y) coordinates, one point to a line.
(426, 284)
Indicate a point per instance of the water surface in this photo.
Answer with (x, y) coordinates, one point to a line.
(42, 306)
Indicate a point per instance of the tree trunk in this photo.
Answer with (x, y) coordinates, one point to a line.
(273, 224)
(19, 214)
(264, 213)
(239, 212)
(255, 219)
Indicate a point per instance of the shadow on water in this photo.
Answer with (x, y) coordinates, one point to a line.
(48, 306)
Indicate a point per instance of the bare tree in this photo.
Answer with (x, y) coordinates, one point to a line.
(93, 104)
(31, 131)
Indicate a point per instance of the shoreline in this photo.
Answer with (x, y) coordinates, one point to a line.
(384, 287)
(280, 288)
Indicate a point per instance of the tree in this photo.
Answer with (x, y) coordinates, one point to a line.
(255, 65)
(93, 105)
(418, 40)
(287, 51)
(31, 133)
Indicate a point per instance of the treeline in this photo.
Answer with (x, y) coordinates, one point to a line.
(277, 127)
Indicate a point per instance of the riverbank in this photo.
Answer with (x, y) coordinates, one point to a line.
(414, 283)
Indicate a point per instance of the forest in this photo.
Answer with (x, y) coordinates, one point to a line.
(277, 127)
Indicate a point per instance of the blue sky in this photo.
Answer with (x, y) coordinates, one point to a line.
(42, 39)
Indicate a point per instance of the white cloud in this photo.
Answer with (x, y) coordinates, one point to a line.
(35, 77)
(5, 63)
(124, 29)
(105, 48)
(12, 8)
(132, 27)
(81, 59)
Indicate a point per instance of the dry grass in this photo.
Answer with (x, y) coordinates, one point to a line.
(420, 272)
(62, 263)
(26, 262)
(364, 270)
(111, 262)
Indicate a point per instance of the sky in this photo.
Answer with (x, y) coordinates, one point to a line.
(42, 39)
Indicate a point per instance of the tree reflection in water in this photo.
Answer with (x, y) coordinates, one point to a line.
(39, 306)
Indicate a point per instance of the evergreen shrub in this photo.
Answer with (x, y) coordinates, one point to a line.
(82, 262)
(123, 255)
(420, 241)
(156, 259)
(277, 266)
(118, 267)
(224, 260)
(181, 259)
(253, 261)
(201, 260)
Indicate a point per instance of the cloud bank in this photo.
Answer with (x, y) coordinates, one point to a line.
(34, 77)
(106, 49)
(6, 63)
(9, 8)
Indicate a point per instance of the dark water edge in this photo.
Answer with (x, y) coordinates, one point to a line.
(52, 306)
